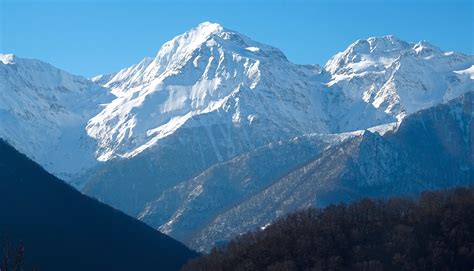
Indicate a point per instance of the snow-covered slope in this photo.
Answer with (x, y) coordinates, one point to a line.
(194, 118)
(198, 120)
(398, 77)
(214, 73)
(43, 113)
(223, 76)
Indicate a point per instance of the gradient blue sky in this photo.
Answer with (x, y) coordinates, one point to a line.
(89, 37)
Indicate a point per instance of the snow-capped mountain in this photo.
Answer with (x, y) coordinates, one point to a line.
(220, 76)
(43, 113)
(208, 76)
(195, 119)
(398, 77)
(216, 119)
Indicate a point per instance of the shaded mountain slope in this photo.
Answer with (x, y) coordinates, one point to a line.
(432, 233)
(187, 118)
(64, 230)
(431, 149)
(190, 205)
(196, 120)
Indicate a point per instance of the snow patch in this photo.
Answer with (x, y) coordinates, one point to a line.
(7, 59)
(253, 49)
(469, 71)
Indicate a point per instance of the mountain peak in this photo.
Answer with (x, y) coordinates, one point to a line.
(384, 49)
(213, 34)
(424, 47)
(211, 72)
(206, 43)
(386, 45)
(190, 40)
(209, 26)
(7, 58)
(198, 35)
(377, 45)
(387, 39)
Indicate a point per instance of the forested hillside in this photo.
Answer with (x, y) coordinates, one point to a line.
(434, 232)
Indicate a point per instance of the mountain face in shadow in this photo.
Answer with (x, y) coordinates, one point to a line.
(213, 120)
(61, 229)
(218, 134)
(431, 149)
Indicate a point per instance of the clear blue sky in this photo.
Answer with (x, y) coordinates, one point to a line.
(89, 37)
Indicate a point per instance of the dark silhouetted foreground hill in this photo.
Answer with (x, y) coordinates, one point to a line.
(61, 229)
(435, 232)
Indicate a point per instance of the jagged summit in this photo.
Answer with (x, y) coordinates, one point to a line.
(211, 76)
(379, 51)
(214, 99)
(398, 77)
(386, 49)
(386, 43)
(223, 76)
(7, 58)
(425, 48)
(210, 71)
(191, 39)
(209, 34)
(209, 26)
(206, 40)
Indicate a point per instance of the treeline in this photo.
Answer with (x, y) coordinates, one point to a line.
(434, 232)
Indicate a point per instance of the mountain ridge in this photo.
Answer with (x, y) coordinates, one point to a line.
(369, 78)
(44, 111)
(420, 154)
(212, 102)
